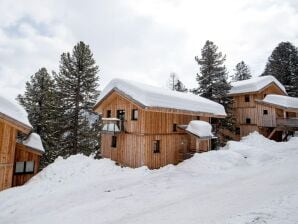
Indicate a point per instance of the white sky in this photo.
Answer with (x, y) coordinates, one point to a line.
(144, 40)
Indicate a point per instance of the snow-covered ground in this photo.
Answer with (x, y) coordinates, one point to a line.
(255, 181)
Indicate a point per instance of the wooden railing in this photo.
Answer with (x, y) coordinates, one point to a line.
(287, 122)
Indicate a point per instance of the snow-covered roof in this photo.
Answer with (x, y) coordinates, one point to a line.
(200, 128)
(34, 142)
(157, 97)
(254, 84)
(282, 101)
(14, 111)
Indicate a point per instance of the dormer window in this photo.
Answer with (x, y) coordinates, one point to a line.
(246, 98)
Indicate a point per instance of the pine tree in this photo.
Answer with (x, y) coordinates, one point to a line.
(39, 102)
(180, 87)
(283, 65)
(242, 72)
(213, 76)
(213, 81)
(77, 83)
(175, 84)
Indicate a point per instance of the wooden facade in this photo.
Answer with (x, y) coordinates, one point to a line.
(153, 138)
(253, 115)
(12, 152)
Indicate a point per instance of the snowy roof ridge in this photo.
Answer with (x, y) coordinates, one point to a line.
(157, 97)
(34, 142)
(287, 102)
(254, 84)
(14, 111)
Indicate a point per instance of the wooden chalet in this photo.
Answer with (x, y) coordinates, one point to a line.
(255, 110)
(19, 161)
(148, 126)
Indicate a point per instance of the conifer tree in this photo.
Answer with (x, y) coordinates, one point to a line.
(213, 76)
(213, 83)
(77, 83)
(283, 65)
(180, 87)
(39, 102)
(242, 72)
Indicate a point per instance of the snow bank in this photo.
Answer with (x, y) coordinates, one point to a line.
(34, 141)
(283, 101)
(151, 96)
(13, 111)
(254, 179)
(254, 84)
(200, 128)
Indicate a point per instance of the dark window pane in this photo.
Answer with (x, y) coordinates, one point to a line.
(19, 167)
(156, 146)
(246, 97)
(114, 142)
(29, 167)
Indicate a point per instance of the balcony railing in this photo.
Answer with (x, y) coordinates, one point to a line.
(287, 122)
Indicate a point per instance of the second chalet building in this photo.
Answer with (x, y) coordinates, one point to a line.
(151, 126)
(261, 104)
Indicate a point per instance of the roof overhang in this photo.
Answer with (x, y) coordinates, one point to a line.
(258, 91)
(156, 109)
(16, 124)
(30, 149)
(290, 109)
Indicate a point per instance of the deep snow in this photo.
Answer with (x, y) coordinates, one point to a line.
(252, 181)
(157, 97)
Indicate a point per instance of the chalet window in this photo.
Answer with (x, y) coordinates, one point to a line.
(121, 114)
(134, 114)
(265, 112)
(198, 117)
(114, 142)
(246, 98)
(109, 113)
(24, 167)
(174, 127)
(237, 131)
(156, 146)
(248, 121)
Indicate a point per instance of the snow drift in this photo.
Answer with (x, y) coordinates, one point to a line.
(251, 181)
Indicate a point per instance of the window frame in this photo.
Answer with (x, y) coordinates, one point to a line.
(134, 117)
(109, 113)
(156, 146)
(175, 127)
(24, 171)
(246, 98)
(114, 141)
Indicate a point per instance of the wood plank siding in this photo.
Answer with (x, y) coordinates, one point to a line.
(134, 146)
(252, 116)
(24, 154)
(12, 152)
(7, 152)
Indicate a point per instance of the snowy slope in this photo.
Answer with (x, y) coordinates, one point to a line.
(254, 84)
(152, 96)
(255, 181)
(14, 111)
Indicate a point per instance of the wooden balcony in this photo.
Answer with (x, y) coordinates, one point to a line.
(287, 122)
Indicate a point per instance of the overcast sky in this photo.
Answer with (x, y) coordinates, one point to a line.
(143, 40)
